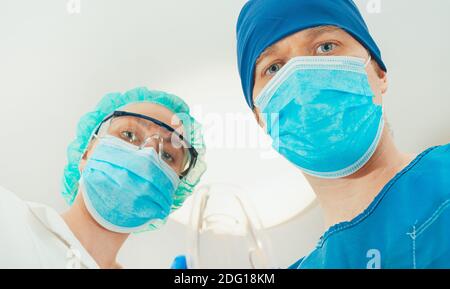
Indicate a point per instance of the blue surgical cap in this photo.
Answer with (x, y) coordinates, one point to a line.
(262, 23)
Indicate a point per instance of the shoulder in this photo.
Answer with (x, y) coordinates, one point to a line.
(439, 156)
(15, 242)
(422, 185)
(296, 265)
(432, 168)
(10, 204)
(13, 212)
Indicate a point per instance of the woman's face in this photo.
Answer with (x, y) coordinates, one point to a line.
(121, 127)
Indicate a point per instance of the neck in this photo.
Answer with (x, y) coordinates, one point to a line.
(101, 244)
(343, 199)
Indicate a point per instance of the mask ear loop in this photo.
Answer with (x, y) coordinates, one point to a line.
(368, 61)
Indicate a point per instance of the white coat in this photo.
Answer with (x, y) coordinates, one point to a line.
(35, 236)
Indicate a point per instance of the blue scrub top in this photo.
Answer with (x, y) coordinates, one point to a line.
(406, 226)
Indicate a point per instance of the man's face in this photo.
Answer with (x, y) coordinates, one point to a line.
(318, 41)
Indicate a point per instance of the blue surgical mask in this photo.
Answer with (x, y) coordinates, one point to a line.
(320, 114)
(127, 189)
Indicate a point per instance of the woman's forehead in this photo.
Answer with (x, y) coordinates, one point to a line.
(156, 111)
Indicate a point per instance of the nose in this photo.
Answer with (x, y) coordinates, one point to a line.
(154, 141)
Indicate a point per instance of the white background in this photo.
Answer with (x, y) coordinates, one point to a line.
(55, 66)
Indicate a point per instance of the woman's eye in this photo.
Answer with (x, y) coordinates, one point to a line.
(273, 69)
(167, 157)
(129, 136)
(326, 48)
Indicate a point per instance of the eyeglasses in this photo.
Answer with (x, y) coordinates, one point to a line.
(143, 131)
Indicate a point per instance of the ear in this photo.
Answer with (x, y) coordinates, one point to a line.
(382, 77)
(86, 155)
(257, 114)
(83, 161)
(384, 83)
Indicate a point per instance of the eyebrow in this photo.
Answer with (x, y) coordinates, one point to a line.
(317, 31)
(269, 51)
(311, 33)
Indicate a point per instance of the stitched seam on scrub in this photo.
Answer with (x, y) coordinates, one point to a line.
(416, 232)
(413, 236)
(433, 218)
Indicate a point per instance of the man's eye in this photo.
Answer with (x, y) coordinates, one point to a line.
(128, 136)
(326, 48)
(273, 69)
(167, 157)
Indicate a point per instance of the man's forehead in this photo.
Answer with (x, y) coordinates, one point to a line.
(306, 34)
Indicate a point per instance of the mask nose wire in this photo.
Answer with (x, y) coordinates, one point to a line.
(158, 142)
